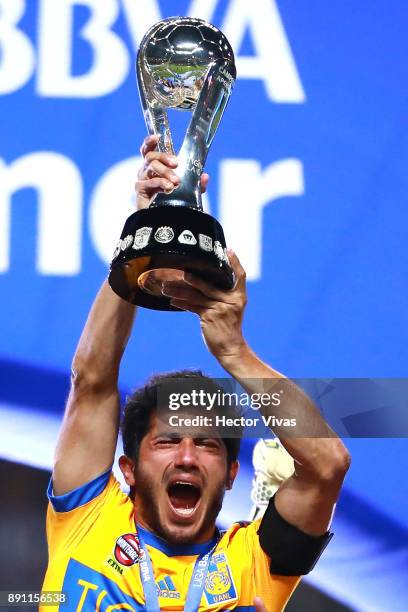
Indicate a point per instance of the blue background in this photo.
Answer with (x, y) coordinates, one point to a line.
(332, 296)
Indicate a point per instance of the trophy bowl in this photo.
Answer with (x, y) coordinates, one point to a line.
(176, 57)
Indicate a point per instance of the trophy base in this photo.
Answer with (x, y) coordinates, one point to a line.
(158, 244)
(152, 280)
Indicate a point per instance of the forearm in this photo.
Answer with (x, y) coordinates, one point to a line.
(316, 449)
(103, 340)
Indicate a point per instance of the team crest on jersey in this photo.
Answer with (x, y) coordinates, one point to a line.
(127, 549)
(219, 584)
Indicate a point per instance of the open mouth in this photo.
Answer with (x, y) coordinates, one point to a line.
(184, 497)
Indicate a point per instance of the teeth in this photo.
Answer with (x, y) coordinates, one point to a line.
(180, 482)
(185, 511)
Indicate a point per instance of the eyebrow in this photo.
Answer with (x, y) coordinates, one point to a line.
(178, 436)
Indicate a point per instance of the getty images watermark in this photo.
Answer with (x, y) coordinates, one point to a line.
(353, 407)
(223, 409)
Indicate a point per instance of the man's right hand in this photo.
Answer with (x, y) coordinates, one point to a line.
(158, 173)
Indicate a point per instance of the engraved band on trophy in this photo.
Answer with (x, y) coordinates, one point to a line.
(186, 64)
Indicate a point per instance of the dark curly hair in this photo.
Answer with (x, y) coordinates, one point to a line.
(144, 402)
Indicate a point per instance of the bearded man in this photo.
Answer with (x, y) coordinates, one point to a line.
(158, 547)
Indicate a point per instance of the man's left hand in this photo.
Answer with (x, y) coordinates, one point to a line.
(221, 311)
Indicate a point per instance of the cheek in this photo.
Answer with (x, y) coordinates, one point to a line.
(149, 471)
(218, 477)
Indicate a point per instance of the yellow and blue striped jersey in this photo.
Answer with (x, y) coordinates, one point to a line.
(94, 559)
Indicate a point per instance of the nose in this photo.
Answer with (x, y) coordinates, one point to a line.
(186, 454)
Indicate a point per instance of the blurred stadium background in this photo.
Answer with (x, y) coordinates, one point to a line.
(308, 178)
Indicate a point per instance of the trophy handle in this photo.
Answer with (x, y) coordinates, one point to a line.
(155, 115)
(204, 122)
(201, 131)
(157, 122)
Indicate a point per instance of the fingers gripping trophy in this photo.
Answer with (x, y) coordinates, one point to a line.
(184, 64)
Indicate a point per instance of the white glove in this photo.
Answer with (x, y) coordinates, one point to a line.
(272, 466)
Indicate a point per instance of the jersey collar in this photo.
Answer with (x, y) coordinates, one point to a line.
(177, 550)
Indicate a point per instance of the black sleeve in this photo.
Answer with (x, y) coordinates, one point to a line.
(292, 552)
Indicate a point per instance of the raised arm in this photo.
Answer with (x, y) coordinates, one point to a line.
(88, 437)
(87, 441)
(307, 499)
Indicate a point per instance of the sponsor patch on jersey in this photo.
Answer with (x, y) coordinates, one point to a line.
(219, 584)
(88, 589)
(166, 589)
(127, 549)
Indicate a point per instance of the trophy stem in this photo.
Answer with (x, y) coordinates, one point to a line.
(204, 122)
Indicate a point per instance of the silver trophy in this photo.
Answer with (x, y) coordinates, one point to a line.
(186, 64)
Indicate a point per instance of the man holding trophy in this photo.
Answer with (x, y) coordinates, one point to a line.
(158, 548)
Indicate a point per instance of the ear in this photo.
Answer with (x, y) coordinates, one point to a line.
(232, 474)
(127, 467)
